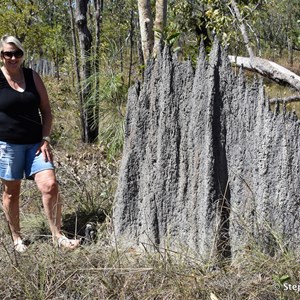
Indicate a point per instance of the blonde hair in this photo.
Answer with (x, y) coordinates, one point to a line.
(9, 39)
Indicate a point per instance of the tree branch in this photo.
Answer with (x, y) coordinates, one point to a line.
(237, 15)
(289, 99)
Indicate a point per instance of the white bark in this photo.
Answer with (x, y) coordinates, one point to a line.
(146, 27)
(242, 27)
(268, 69)
(289, 99)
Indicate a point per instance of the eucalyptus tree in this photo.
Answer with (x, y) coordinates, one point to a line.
(146, 27)
(151, 42)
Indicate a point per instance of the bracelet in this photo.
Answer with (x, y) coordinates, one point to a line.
(47, 138)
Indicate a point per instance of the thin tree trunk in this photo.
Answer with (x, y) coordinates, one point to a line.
(77, 69)
(121, 55)
(159, 24)
(295, 98)
(131, 33)
(290, 52)
(242, 28)
(139, 45)
(146, 26)
(90, 130)
(98, 17)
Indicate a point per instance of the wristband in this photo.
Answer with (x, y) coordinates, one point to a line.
(47, 138)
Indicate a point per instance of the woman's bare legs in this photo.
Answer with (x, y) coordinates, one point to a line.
(11, 208)
(47, 184)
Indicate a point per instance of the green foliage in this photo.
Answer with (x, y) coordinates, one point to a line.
(280, 280)
(112, 112)
(40, 25)
(269, 23)
(113, 94)
(110, 101)
(169, 38)
(279, 23)
(17, 17)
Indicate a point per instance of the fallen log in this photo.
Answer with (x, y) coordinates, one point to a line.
(268, 69)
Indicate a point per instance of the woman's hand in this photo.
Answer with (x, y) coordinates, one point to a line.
(45, 149)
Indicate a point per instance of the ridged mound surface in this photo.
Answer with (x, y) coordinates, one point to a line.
(206, 164)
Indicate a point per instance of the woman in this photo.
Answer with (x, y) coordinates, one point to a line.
(25, 125)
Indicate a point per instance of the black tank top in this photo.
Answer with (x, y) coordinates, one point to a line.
(20, 121)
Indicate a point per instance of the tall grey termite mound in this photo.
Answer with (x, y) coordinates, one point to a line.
(206, 164)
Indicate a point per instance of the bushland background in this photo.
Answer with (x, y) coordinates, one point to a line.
(88, 76)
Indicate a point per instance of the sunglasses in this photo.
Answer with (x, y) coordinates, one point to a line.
(9, 54)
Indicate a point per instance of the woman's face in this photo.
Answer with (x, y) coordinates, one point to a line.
(12, 56)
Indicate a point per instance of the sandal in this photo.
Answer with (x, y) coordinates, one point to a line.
(70, 244)
(19, 246)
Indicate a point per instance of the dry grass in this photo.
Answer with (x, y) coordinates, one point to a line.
(273, 90)
(101, 271)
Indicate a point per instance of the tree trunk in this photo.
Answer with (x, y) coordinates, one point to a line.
(290, 52)
(90, 128)
(131, 39)
(98, 17)
(295, 98)
(146, 25)
(139, 46)
(77, 68)
(242, 27)
(159, 24)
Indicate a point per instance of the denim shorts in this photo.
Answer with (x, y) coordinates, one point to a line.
(17, 160)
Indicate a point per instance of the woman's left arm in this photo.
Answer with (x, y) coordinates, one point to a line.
(46, 114)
